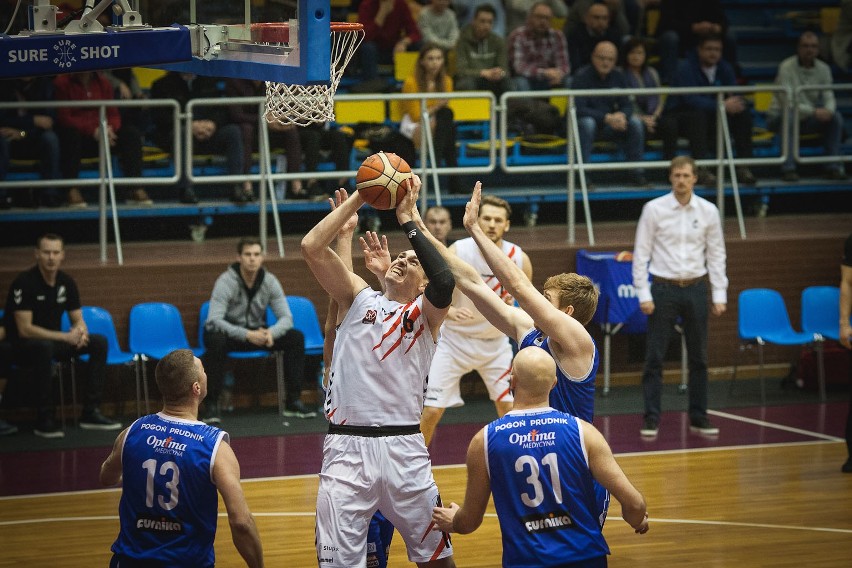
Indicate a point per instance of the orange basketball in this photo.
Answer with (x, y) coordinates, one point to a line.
(380, 180)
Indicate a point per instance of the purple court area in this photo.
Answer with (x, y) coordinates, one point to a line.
(25, 473)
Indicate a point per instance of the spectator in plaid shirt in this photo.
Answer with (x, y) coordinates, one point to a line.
(538, 54)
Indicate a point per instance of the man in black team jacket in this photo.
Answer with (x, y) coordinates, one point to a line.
(33, 321)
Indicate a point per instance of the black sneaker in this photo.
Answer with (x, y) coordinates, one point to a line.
(299, 410)
(7, 429)
(702, 426)
(847, 467)
(47, 428)
(650, 427)
(211, 414)
(94, 420)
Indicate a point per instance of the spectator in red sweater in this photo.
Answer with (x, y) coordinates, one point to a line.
(79, 132)
(389, 28)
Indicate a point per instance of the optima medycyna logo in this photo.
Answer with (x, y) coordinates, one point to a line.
(533, 439)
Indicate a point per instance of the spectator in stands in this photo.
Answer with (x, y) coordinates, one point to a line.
(6, 429)
(538, 54)
(817, 109)
(211, 131)
(237, 322)
(518, 11)
(597, 27)
(841, 40)
(608, 118)
(430, 76)
(682, 23)
(640, 75)
(36, 301)
(466, 11)
(695, 115)
(617, 16)
(438, 25)
(482, 63)
(79, 132)
(319, 138)
(285, 136)
(389, 28)
(126, 88)
(439, 223)
(29, 134)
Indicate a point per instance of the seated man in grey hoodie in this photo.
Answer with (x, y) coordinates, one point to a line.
(237, 322)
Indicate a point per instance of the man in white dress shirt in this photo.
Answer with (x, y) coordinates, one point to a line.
(679, 241)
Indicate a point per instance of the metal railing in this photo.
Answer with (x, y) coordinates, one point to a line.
(498, 140)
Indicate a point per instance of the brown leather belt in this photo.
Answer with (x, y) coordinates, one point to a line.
(680, 283)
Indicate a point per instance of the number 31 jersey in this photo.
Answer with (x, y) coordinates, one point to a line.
(169, 503)
(543, 490)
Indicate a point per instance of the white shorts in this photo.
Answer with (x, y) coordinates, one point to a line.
(361, 475)
(455, 357)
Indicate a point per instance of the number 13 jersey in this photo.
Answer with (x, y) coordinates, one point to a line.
(169, 503)
(543, 490)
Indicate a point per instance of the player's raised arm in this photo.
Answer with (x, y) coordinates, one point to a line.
(439, 291)
(341, 283)
(572, 341)
(507, 319)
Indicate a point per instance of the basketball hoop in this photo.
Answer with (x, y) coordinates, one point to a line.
(307, 104)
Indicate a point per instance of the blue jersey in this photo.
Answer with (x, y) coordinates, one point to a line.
(169, 504)
(543, 490)
(577, 398)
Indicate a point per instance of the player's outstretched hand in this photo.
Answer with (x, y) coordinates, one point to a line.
(377, 256)
(471, 210)
(348, 228)
(443, 517)
(406, 209)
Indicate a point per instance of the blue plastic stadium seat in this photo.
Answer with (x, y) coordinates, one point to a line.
(763, 318)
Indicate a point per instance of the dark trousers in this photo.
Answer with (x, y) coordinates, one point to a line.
(691, 124)
(849, 416)
(76, 146)
(42, 145)
(316, 138)
(690, 304)
(699, 127)
(39, 355)
(291, 344)
(444, 137)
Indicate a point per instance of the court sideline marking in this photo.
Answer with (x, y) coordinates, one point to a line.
(775, 426)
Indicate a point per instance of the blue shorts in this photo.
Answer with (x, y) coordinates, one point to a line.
(379, 537)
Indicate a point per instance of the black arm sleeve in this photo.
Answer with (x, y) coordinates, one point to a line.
(439, 291)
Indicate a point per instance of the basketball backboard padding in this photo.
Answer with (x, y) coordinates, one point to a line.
(306, 61)
(55, 53)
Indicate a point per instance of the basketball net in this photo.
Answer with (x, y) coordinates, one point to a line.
(308, 104)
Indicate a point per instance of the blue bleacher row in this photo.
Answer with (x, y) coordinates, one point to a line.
(156, 328)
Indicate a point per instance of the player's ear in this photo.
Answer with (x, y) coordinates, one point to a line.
(569, 309)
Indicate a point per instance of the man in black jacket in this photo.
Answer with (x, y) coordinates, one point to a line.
(211, 132)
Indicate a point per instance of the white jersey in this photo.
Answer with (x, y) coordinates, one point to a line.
(478, 326)
(381, 361)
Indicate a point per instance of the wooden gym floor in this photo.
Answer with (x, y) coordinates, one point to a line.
(766, 492)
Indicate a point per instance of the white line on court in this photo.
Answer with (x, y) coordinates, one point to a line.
(450, 466)
(774, 425)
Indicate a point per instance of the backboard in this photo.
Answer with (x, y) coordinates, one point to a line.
(224, 46)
